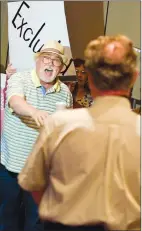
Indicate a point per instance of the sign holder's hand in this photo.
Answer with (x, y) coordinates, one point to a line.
(10, 70)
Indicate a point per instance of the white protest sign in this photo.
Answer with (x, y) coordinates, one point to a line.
(31, 24)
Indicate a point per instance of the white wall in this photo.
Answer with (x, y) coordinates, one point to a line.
(124, 18)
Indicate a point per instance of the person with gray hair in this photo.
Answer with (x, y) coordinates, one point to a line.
(85, 166)
(31, 97)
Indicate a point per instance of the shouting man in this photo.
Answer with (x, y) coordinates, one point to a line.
(31, 97)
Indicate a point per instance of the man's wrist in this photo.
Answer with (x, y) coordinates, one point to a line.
(32, 111)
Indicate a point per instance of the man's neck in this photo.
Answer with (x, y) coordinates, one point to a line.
(47, 85)
(116, 93)
(96, 93)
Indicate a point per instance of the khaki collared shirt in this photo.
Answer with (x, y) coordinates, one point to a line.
(88, 163)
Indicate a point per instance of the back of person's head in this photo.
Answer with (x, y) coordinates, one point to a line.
(78, 62)
(111, 62)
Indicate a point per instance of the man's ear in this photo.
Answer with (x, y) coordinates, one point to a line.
(135, 76)
(62, 68)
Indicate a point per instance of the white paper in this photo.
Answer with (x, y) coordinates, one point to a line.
(49, 14)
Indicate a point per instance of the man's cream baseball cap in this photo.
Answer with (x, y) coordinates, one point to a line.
(53, 47)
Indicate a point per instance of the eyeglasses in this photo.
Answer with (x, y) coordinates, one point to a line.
(55, 61)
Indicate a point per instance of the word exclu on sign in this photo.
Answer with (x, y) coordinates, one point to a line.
(27, 32)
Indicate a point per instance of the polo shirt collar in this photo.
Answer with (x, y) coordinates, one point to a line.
(56, 87)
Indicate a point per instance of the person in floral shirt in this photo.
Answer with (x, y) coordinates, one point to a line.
(81, 92)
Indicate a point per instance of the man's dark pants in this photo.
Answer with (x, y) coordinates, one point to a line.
(11, 196)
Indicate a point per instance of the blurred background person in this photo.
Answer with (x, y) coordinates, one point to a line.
(85, 165)
(81, 92)
(137, 110)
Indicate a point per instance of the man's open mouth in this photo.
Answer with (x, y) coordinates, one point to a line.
(48, 70)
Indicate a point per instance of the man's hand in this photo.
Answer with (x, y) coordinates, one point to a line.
(39, 116)
(21, 107)
(10, 70)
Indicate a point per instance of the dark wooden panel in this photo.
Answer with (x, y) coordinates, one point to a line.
(85, 22)
(3, 35)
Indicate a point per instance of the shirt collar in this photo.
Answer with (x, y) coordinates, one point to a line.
(108, 106)
(111, 101)
(56, 87)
